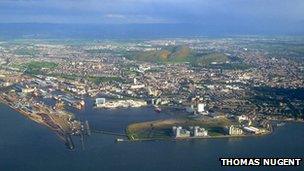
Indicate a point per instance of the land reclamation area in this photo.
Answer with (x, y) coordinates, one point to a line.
(162, 129)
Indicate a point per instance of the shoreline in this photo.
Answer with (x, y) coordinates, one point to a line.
(205, 137)
(60, 131)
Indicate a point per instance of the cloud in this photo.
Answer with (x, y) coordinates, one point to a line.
(115, 16)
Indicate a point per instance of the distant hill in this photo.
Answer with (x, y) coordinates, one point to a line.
(170, 54)
(180, 54)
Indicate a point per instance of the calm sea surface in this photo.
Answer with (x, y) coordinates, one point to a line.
(25, 145)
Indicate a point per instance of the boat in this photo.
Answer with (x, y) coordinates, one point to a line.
(119, 140)
(281, 124)
(157, 109)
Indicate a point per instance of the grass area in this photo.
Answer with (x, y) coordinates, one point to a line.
(293, 50)
(40, 65)
(208, 59)
(26, 51)
(215, 131)
(183, 54)
(219, 61)
(170, 54)
(35, 67)
(65, 76)
(230, 66)
(98, 80)
(131, 72)
(162, 128)
(93, 79)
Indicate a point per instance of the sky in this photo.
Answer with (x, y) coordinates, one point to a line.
(256, 14)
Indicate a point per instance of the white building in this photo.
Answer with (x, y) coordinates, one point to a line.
(137, 86)
(135, 81)
(201, 107)
(199, 132)
(233, 130)
(179, 132)
(100, 101)
(242, 118)
(28, 90)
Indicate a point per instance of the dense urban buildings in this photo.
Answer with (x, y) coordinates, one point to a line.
(230, 81)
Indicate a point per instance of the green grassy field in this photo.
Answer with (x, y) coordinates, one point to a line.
(98, 80)
(35, 67)
(208, 59)
(170, 54)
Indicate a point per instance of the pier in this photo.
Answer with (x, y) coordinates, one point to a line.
(108, 133)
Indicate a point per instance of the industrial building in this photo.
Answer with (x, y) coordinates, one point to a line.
(252, 129)
(120, 103)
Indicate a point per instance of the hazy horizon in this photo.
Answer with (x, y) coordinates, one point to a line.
(125, 31)
(164, 18)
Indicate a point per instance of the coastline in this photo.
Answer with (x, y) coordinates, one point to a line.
(61, 133)
(193, 138)
(57, 128)
(205, 137)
